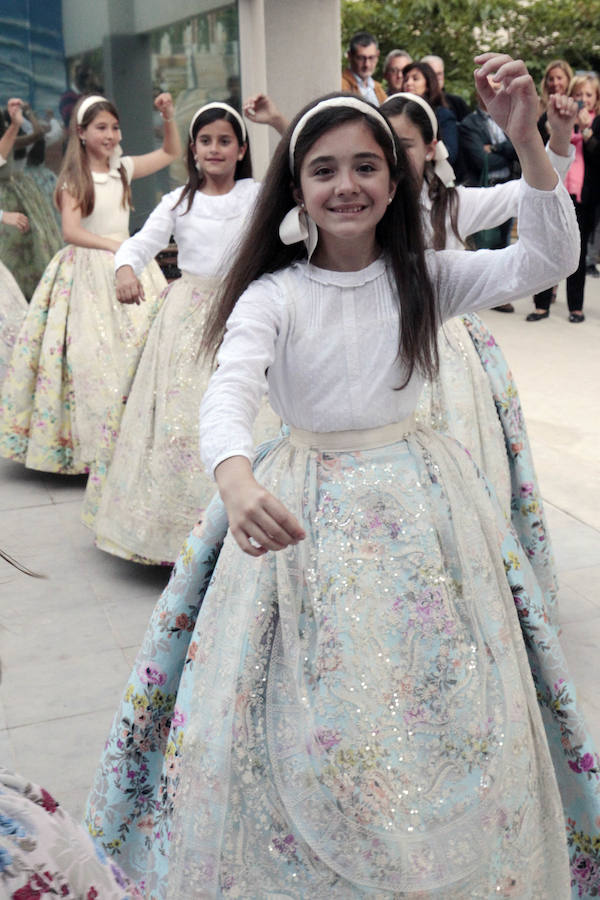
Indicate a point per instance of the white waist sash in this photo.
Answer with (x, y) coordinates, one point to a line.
(345, 441)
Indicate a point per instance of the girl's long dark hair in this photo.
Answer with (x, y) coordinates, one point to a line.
(399, 234)
(433, 95)
(444, 200)
(196, 179)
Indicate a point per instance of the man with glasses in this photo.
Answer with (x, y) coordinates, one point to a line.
(363, 55)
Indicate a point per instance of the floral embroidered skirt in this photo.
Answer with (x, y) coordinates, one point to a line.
(156, 487)
(13, 309)
(44, 852)
(27, 255)
(354, 716)
(476, 401)
(73, 362)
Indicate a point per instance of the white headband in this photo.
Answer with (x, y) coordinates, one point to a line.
(352, 102)
(85, 105)
(441, 166)
(227, 108)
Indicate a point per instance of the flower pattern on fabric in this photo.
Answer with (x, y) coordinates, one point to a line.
(44, 852)
(13, 309)
(527, 510)
(73, 362)
(304, 668)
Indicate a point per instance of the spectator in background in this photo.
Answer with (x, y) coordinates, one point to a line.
(583, 184)
(556, 80)
(363, 55)
(393, 69)
(420, 79)
(483, 141)
(453, 101)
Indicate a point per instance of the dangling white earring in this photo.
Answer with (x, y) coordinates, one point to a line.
(82, 141)
(197, 164)
(390, 200)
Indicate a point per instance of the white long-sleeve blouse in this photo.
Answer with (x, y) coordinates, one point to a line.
(484, 207)
(205, 236)
(325, 344)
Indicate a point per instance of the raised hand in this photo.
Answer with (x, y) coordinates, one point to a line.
(509, 95)
(562, 114)
(164, 104)
(260, 108)
(15, 110)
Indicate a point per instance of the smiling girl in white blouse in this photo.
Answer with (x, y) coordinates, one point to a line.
(355, 713)
(156, 486)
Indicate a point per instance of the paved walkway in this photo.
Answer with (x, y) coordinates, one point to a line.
(67, 643)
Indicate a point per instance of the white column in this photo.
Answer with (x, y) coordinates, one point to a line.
(290, 49)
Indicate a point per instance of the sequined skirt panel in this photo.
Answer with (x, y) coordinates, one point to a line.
(13, 309)
(351, 717)
(156, 487)
(460, 403)
(73, 362)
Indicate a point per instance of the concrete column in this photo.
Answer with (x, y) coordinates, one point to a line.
(127, 79)
(291, 51)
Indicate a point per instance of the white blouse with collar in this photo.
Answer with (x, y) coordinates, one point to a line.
(206, 236)
(325, 343)
(480, 207)
(109, 218)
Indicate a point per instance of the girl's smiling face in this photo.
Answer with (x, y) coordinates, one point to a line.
(101, 136)
(217, 150)
(346, 187)
(557, 81)
(410, 137)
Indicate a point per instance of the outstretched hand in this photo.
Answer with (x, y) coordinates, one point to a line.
(509, 95)
(17, 220)
(129, 287)
(257, 520)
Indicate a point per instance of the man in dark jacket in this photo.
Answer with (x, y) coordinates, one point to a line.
(481, 141)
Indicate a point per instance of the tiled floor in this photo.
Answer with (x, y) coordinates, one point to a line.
(67, 642)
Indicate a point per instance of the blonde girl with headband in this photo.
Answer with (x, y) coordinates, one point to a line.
(474, 398)
(156, 487)
(353, 712)
(78, 349)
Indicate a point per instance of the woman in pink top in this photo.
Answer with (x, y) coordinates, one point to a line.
(580, 180)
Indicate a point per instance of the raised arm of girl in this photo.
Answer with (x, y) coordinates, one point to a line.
(7, 141)
(152, 162)
(509, 94)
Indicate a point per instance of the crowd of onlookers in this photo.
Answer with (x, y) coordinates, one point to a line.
(479, 151)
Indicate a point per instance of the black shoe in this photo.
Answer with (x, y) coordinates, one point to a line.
(536, 316)
(506, 307)
(592, 271)
(574, 318)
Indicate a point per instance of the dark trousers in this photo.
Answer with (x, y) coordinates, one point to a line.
(576, 281)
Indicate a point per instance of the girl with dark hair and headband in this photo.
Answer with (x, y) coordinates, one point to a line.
(156, 487)
(78, 348)
(353, 713)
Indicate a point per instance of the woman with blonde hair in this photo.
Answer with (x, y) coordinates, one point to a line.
(556, 80)
(583, 184)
